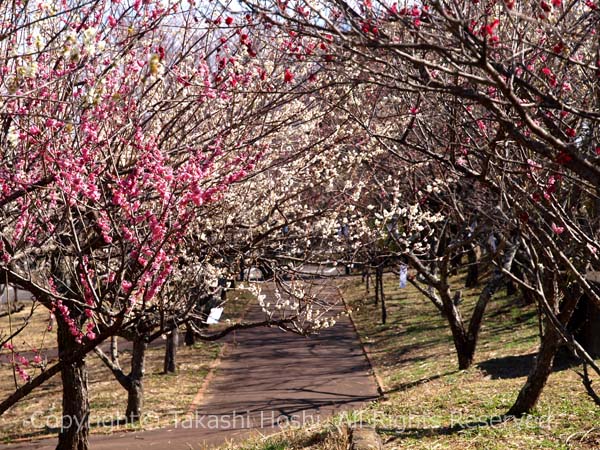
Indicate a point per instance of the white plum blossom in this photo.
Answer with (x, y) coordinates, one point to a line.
(13, 135)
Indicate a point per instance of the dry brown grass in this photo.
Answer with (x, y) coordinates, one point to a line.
(328, 435)
(427, 395)
(35, 334)
(166, 396)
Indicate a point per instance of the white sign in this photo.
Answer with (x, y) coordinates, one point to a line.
(214, 316)
(403, 275)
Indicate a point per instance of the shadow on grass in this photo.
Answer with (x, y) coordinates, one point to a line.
(509, 367)
(48, 432)
(416, 433)
(411, 384)
(391, 355)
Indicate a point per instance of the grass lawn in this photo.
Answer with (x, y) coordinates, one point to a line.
(166, 396)
(331, 435)
(426, 395)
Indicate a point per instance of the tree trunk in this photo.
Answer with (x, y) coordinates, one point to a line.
(455, 262)
(190, 336)
(171, 351)
(75, 404)
(585, 324)
(376, 286)
(382, 298)
(537, 378)
(511, 289)
(242, 270)
(485, 297)
(472, 268)
(465, 350)
(135, 389)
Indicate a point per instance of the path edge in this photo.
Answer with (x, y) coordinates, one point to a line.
(214, 365)
(363, 346)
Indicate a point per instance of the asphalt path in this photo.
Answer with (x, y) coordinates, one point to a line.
(269, 380)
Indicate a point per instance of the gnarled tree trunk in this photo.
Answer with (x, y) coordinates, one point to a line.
(134, 382)
(531, 391)
(75, 403)
(376, 287)
(465, 347)
(382, 295)
(472, 268)
(465, 351)
(366, 278)
(170, 365)
(537, 378)
(190, 336)
(135, 385)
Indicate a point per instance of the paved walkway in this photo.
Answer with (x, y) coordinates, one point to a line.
(269, 379)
